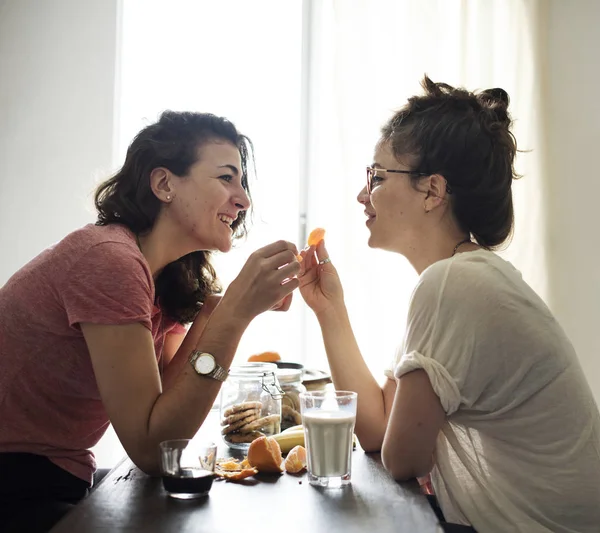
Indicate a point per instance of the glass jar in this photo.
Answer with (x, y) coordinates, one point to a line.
(291, 384)
(250, 404)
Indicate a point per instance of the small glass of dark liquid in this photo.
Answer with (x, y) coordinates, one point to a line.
(187, 467)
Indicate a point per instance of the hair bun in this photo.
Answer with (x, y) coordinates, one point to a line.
(497, 94)
(496, 102)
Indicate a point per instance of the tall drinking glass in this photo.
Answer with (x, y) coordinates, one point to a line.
(328, 418)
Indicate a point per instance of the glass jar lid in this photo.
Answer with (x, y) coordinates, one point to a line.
(251, 370)
(263, 372)
(289, 375)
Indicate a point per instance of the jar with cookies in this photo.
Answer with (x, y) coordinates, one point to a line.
(290, 378)
(250, 404)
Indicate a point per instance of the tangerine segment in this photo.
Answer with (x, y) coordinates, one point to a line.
(264, 357)
(316, 236)
(296, 460)
(265, 455)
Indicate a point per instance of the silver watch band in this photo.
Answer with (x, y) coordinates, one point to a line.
(219, 373)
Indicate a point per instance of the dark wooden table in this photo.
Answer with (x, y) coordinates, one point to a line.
(128, 500)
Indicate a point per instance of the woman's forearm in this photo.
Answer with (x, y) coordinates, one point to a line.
(350, 372)
(188, 345)
(184, 404)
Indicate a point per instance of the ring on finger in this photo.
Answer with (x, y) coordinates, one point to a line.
(325, 261)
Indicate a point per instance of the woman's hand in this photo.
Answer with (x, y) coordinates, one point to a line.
(265, 282)
(320, 284)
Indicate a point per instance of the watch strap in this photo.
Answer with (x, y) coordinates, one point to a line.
(219, 373)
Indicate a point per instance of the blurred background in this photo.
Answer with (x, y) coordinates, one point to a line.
(310, 82)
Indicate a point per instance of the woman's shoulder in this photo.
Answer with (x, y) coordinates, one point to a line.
(476, 267)
(94, 249)
(477, 275)
(92, 235)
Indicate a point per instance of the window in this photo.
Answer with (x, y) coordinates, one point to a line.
(311, 82)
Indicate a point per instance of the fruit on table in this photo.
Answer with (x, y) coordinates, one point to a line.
(289, 439)
(264, 357)
(316, 236)
(264, 454)
(296, 460)
(233, 470)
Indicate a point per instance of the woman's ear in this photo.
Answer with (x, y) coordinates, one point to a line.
(435, 192)
(161, 184)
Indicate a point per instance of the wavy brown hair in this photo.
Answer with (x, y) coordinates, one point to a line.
(465, 137)
(127, 198)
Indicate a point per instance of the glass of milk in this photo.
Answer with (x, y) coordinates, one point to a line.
(328, 418)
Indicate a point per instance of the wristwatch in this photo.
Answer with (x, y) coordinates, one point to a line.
(205, 365)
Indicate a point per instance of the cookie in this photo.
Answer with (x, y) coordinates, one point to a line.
(244, 406)
(240, 438)
(260, 423)
(254, 415)
(291, 414)
(239, 416)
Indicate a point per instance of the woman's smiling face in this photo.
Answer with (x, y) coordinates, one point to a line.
(209, 198)
(394, 209)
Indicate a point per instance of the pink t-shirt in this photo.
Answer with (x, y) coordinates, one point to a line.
(49, 400)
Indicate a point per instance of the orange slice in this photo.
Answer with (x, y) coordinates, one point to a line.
(296, 460)
(316, 236)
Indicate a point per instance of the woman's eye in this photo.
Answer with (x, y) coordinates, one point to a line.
(227, 177)
(376, 179)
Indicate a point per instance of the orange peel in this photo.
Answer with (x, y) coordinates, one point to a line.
(265, 455)
(238, 476)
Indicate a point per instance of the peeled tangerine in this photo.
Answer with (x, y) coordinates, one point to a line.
(316, 236)
(264, 454)
(264, 357)
(296, 460)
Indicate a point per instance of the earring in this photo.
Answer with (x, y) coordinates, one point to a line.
(169, 197)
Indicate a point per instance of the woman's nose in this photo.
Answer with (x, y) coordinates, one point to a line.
(241, 200)
(363, 196)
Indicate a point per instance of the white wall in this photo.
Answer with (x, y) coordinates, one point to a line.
(572, 94)
(57, 78)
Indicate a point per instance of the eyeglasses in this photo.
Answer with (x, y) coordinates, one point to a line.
(372, 171)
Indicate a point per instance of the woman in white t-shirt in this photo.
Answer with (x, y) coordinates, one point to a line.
(487, 393)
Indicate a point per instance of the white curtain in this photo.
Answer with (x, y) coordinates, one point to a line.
(368, 57)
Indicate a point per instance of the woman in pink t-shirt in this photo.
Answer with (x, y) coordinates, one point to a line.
(91, 329)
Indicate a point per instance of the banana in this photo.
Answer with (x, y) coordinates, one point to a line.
(293, 436)
(288, 439)
(293, 428)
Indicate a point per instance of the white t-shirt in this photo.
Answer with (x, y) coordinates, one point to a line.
(520, 450)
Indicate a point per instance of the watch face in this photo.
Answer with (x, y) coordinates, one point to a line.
(205, 364)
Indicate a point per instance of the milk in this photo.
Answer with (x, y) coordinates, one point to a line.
(328, 436)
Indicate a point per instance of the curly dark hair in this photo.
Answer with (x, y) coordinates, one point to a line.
(127, 199)
(465, 137)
